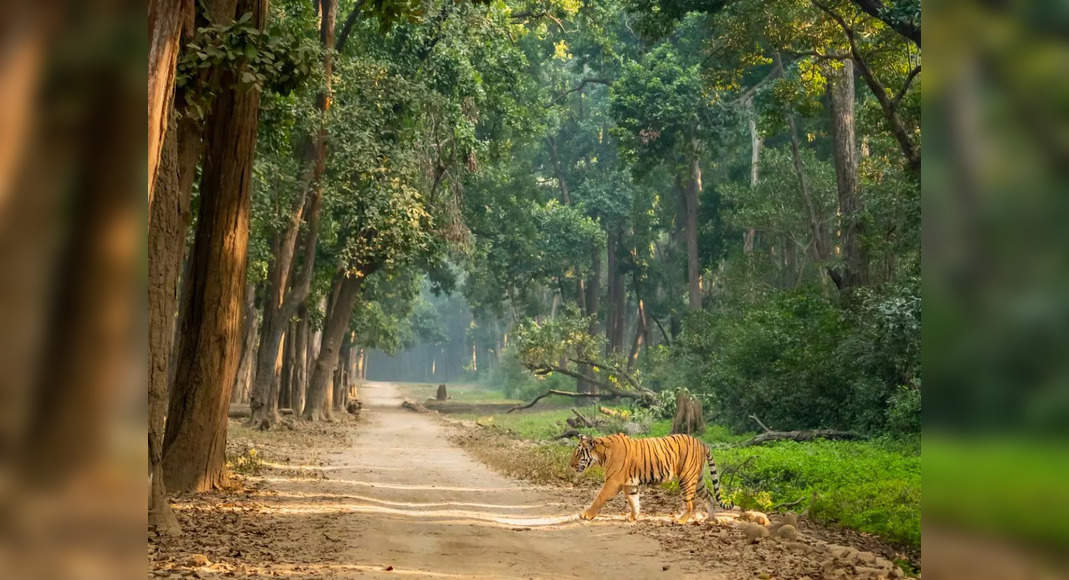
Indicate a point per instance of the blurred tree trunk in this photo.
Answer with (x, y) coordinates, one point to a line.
(251, 326)
(689, 419)
(693, 191)
(641, 336)
(300, 362)
(840, 90)
(755, 160)
(195, 440)
(614, 321)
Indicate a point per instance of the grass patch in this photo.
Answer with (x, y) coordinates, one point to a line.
(870, 486)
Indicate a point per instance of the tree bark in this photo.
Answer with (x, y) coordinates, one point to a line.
(841, 98)
(689, 418)
(693, 190)
(614, 323)
(251, 324)
(168, 221)
(755, 160)
(337, 323)
(166, 21)
(300, 367)
(285, 393)
(195, 440)
(641, 335)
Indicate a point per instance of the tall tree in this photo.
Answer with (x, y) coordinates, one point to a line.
(285, 294)
(195, 439)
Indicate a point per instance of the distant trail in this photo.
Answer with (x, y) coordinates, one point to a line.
(405, 496)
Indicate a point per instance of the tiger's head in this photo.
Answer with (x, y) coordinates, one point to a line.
(585, 454)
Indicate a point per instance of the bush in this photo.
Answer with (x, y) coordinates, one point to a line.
(798, 360)
(904, 410)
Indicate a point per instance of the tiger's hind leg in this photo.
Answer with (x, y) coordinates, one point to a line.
(689, 488)
(632, 502)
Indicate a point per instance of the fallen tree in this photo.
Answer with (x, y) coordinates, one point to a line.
(771, 435)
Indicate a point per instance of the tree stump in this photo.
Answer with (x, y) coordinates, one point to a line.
(689, 419)
(441, 396)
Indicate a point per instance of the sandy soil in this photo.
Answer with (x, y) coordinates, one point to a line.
(402, 499)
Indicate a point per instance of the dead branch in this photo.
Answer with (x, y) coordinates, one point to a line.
(568, 433)
(758, 421)
(803, 435)
(583, 420)
(788, 504)
(548, 393)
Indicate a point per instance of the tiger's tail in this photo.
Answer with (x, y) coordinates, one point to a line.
(715, 476)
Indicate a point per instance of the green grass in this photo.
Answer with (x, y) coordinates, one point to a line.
(871, 486)
(461, 392)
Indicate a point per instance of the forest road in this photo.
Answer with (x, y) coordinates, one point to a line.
(406, 501)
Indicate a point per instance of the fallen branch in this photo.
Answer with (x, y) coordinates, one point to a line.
(804, 435)
(568, 433)
(417, 407)
(758, 421)
(581, 420)
(788, 504)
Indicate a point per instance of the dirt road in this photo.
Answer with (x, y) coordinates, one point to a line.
(405, 497)
(391, 495)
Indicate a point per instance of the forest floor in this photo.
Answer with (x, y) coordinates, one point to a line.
(394, 493)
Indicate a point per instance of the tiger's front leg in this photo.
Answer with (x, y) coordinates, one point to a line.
(608, 491)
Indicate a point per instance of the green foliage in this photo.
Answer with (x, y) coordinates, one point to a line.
(798, 360)
(279, 58)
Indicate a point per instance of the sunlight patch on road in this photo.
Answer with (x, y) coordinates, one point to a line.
(401, 486)
(414, 505)
(275, 465)
(321, 570)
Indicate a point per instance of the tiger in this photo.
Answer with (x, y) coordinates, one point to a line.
(629, 462)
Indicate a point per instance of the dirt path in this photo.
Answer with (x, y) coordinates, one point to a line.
(391, 495)
(404, 496)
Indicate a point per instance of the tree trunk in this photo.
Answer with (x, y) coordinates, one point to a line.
(195, 440)
(641, 336)
(592, 299)
(284, 301)
(166, 20)
(693, 190)
(614, 320)
(251, 325)
(285, 393)
(755, 159)
(300, 364)
(689, 419)
(337, 323)
(168, 221)
(841, 99)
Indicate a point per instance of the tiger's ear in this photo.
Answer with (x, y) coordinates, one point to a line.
(584, 437)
